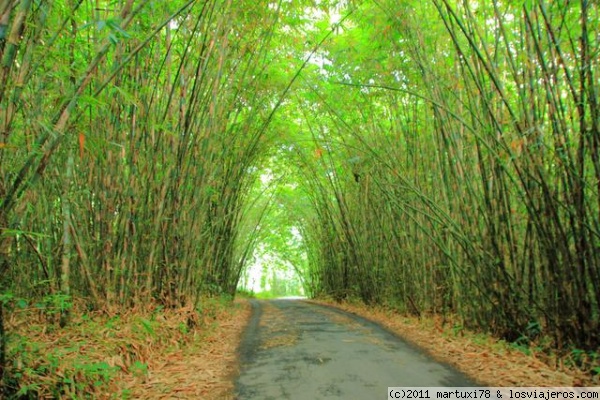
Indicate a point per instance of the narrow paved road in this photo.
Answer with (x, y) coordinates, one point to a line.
(297, 350)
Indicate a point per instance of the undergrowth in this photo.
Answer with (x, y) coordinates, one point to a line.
(87, 357)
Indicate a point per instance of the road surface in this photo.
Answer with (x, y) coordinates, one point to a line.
(293, 349)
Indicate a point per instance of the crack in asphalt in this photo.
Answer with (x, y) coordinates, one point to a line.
(297, 350)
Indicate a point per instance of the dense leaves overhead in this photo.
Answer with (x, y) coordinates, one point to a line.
(437, 157)
(454, 164)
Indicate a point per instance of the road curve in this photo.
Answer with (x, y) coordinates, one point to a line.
(293, 349)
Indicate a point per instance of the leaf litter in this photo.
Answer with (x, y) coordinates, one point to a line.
(150, 353)
(156, 353)
(279, 331)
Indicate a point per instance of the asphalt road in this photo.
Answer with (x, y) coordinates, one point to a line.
(297, 350)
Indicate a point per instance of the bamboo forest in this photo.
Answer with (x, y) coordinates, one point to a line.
(439, 158)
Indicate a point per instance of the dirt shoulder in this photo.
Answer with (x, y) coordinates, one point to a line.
(487, 360)
(204, 369)
(148, 353)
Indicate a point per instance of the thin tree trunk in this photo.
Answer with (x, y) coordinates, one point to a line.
(65, 270)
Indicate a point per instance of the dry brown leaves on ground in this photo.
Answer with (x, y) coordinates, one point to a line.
(202, 370)
(152, 353)
(488, 361)
(278, 331)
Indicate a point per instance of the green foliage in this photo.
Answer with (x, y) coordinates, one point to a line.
(266, 295)
(99, 373)
(28, 391)
(55, 304)
(183, 328)
(522, 345)
(457, 329)
(9, 301)
(585, 360)
(427, 169)
(440, 157)
(147, 327)
(139, 368)
(244, 293)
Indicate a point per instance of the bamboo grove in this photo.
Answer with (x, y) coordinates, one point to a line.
(445, 154)
(458, 169)
(128, 133)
